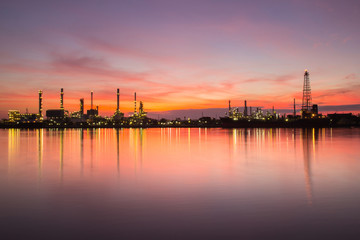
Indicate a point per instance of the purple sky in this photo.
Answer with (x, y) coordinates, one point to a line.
(178, 54)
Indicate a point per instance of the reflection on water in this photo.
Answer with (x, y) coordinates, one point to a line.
(82, 151)
(177, 182)
(61, 152)
(40, 141)
(309, 153)
(118, 150)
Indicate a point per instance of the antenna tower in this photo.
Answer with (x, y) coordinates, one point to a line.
(306, 101)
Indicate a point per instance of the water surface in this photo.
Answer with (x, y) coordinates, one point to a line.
(180, 183)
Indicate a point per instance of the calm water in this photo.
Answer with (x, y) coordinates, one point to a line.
(180, 184)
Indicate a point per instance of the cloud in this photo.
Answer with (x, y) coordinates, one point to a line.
(349, 90)
(281, 80)
(89, 66)
(340, 108)
(351, 76)
(96, 44)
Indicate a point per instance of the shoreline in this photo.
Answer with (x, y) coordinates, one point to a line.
(145, 127)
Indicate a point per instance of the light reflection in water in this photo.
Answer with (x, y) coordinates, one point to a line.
(91, 132)
(61, 131)
(308, 149)
(232, 174)
(81, 151)
(40, 136)
(13, 146)
(117, 150)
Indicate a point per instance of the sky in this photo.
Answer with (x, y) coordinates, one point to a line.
(179, 55)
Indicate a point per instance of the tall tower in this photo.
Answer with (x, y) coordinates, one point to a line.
(229, 108)
(92, 96)
(141, 108)
(134, 103)
(62, 99)
(40, 105)
(81, 107)
(294, 108)
(245, 109)
(118, 115)
(117, 100)
(306, 101)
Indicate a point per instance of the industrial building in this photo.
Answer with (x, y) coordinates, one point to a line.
(245, 116)
(235, 114)
(14, 115)
(91, 113)
(56, 114)
(118, 115)
(141, 114)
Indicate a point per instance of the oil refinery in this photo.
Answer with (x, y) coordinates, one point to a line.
(235, 117)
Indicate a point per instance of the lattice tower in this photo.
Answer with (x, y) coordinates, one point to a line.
(306, 101)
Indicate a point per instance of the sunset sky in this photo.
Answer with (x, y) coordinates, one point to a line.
(179, 55)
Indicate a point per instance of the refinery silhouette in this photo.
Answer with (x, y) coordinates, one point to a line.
(235, 118)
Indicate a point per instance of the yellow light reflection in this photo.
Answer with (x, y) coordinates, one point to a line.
(189, 139)
(61, 152)
(13, 145)
(307, 163)
(117, 150)
(40, 141)
(313, 141)
(234, 139)
(82, 151)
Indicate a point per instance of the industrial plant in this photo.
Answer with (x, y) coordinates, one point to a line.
(235, 117)
(63, 118)
(309, 115)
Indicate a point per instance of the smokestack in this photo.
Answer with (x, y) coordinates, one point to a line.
(62, 99)
(134, 103)
(245, 110)
(118, 97)
(81, 106)
(229, 106)
(92, 93)
(294, 108)
(40, 105)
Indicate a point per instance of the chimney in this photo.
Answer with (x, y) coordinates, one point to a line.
(245, 110)
(92, 93)
(294, 108)
(118, 99)
(62, 99)
(40, 105)
(81, 106)
(134, 103)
